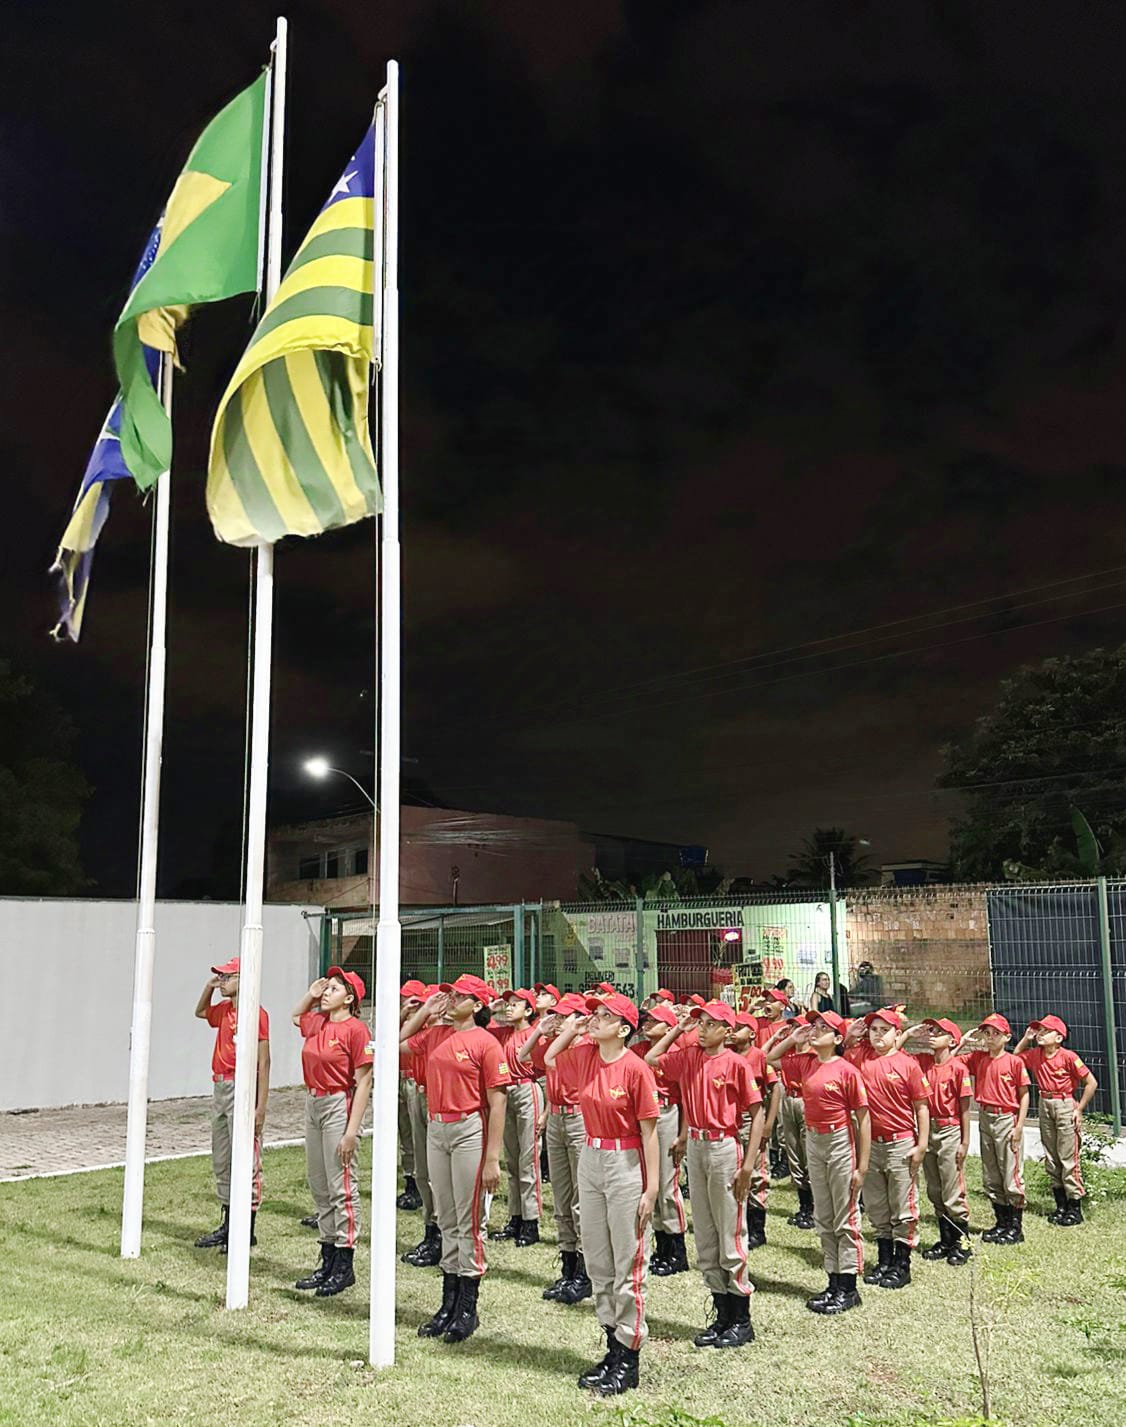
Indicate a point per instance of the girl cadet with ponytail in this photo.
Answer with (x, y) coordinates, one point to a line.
(336, 1061)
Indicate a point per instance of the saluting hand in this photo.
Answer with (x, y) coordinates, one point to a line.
(317, 989)
(346, 1149)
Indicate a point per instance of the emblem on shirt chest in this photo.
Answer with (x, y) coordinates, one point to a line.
(719, 1081)
(461, 1055)
(333, 1042)
(616, 1092)
(832, 1085)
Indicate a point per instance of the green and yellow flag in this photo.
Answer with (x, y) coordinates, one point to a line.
(208, 250)
(290, 448)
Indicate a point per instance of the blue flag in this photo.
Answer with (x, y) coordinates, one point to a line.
(106, 465)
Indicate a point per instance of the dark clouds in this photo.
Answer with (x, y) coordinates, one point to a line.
(726, 328)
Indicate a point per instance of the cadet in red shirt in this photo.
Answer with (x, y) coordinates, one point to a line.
(837, 1146)
(669, 1219)
(618, 1177)
(950, 1092)
(428, 1251)
(411, 995)
(1001, 1091)
(770, 1015)
(717, 1087)
(523, 1124)
(336, 1062)
(791, 1065)
(224, 1019)
(565, 1138)
(1059, 1073)
(467, 1080)
(899, 1112)
(741, 1041)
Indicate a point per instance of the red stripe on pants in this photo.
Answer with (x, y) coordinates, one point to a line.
(639, 1261)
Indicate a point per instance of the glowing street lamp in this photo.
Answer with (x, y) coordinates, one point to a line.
(319, 767)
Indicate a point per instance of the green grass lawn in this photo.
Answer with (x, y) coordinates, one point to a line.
(86, 1339)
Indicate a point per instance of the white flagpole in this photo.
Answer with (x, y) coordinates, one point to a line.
(250, 951)
(389, 933)
(132, 1204)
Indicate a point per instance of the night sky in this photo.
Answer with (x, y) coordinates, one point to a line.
(731, 334)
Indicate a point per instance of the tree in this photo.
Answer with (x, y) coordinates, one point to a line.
(682, 883)
(809, 867)
(41, 794)
(1054, 745)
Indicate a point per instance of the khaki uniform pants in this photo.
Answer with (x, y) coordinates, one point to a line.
(668, 1213)
(611, 1183)
(891, 1196)
(719, 1221)
(222, 1136)
(1061, 1141)
(523, 1119)
(792, 1119)
(760, 1171)
(406, 1134)
(831, 1159)
(335, 1187)
(455, 1154)
(946, 1183)
(565, 1140)
(1000, 1167)
(416, 1103)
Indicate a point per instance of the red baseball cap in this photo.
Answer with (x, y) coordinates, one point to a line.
(775, 995)
(571, 1004)
(412, 988)
(695, 1000)
(1050, 1023)
(469, 985)
(665, 1014)
(716, 1011)
(996, 1023)
(744, 1018)
(950, 1028)
(802, 1020)
(528, 997)
(228, 968)
(351, 980)
(607, 988)
(617, 1004)
(549, 988)
(892, 1017)
(428, 991)
(838, 1023)
(662, 993)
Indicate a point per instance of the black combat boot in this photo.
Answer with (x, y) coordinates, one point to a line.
(528, 1233)
(428, 1252)
(756, 1226)
(959, 1250)
(803, 1219)
(322, 1271)
(1072, 1215)
(846, 1296)
(898, 1273)
(660, 1249)
(593, 1375)
(436, 1326)
(510, 1230)
(875, 1272)
(621, 1372)
(817, 1303)
(463, 1324)
(676, 1257)
(311, 1221)
(738, 1331)
(218, 1235)
(1060, 1196)
(996, 1235)
(343, 1275)
(1014, 1232)
(578, 1286)
(709, 1337)
(567, 1269)
(942, 1248)
(410, 1197)
(253, 1239)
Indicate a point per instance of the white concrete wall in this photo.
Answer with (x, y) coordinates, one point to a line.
(77, 958)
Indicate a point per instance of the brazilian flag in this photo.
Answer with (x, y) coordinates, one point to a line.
(207, 250)
(291, 447)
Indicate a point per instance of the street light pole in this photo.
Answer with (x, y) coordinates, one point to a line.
(833, 946)
(321, 768)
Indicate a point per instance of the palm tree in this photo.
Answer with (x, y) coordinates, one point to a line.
(809, 867)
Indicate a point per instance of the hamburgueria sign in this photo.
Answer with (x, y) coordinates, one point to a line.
(701, 919)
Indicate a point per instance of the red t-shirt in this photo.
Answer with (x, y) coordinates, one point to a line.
(690, 1038)
(765, 1029)
(792, 1068)
(223, 1015)
(765, 1076)
(563, 1087)
(893, 1082)
(859, 1053)
(510, 1039)
(1058, 1076)
(615, 1097)
(997, 1081)
(461, 1067)
(333, 1051)
(665, 1088)
(715, 1090)
(832, 1089)
(949, 1086)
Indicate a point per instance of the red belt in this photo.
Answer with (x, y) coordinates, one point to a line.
(996, 1109)
(893, 1139)
(945, 1124)
(664, 1104)
(320, 1094)
(563, 1109)
(222, 1079)
(826, 1129)
(695, 1134)
(630, 1142)
(1063, 1099)
(454, 1119)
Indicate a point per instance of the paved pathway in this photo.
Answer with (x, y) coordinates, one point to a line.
(82, 1137)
